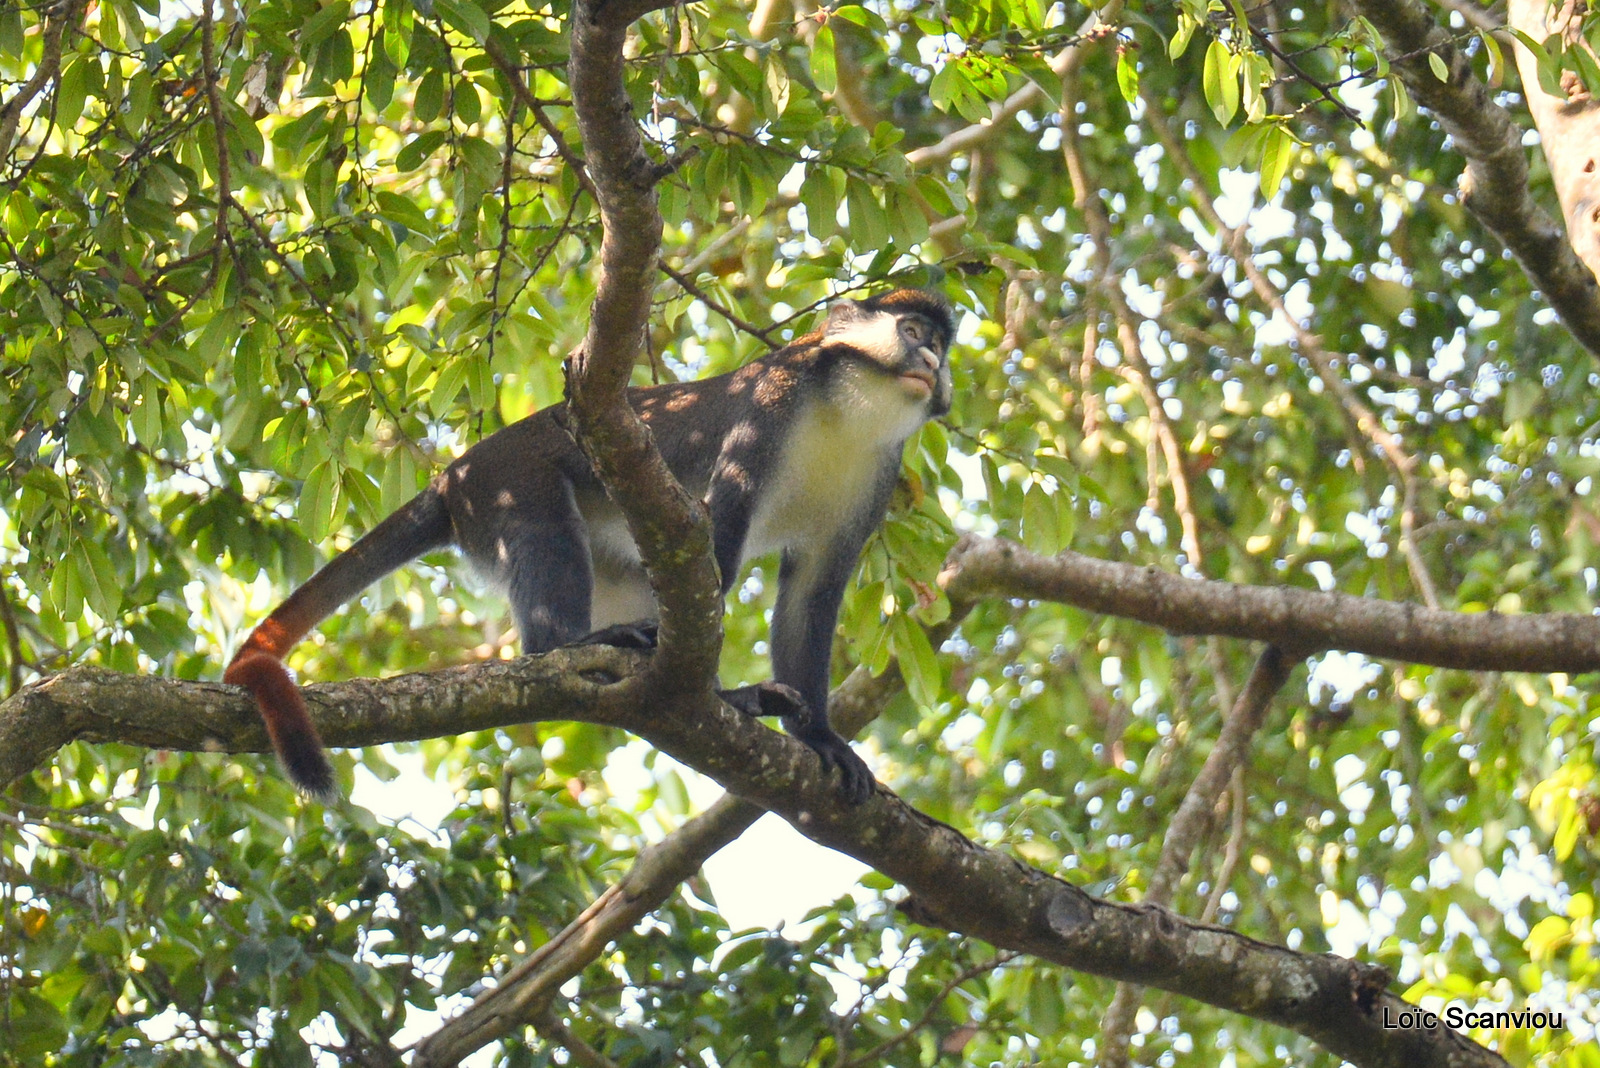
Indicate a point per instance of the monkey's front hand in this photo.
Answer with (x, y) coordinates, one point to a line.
(812, 728)
(856, 779)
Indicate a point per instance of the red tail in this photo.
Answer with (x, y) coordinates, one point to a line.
(418, 527)
(258, 667)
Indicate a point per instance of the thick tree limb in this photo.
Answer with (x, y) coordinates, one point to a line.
(530, 987)
(1495, 185)
(94, 704)
(49, 66)
(1569, 128)
(1306, 620)
(953, 882)
(671, 529)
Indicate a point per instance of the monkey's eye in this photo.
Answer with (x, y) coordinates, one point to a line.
(916, 331)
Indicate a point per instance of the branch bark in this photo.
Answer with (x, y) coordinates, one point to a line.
(529, 989)
(953, 882)
(1283, 615)
(1495, 185)
(671, 529)
(49, 67)
(1569, 127)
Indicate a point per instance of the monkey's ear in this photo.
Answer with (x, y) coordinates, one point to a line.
(843, 314)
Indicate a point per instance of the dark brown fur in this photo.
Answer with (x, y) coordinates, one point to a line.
(528, 511)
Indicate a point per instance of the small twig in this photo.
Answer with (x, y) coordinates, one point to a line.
(503, 250)
(936, 1003)
(49, 66)
(219, 122)
(1135, 367)
(536, 107)
(1322, 88)
(690, 287)
(64, 828)
(550, 1027)
(1233, 850)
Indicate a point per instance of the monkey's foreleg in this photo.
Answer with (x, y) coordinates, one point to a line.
(809, 726)
(766, 699)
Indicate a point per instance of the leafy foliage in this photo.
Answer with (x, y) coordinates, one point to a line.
(267, 265)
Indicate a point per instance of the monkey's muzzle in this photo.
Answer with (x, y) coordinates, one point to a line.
(920, 382)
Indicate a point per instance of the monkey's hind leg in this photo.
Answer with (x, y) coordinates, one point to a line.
(639, 635)
(549, 579)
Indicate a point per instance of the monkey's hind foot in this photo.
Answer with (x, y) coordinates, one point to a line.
(640, 635)
(776, 699)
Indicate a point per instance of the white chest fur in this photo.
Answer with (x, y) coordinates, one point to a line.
(832, 459)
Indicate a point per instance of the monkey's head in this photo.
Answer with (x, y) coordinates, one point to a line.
(904, 334)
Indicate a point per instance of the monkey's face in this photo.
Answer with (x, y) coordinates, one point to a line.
(923, 369)
(903, 338)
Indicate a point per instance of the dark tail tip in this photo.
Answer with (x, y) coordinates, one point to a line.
(288, 722)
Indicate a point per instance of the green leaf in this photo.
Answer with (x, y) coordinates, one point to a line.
(1588, 69)
(1438, 66)
(136, 102)
(1277, 154)
(452, 376)
(1538, 49)
(910, 225)
(466, 16)
(12, 34)
(483, 161)
(1220, 82)
(321, 26)
(1039, 528)
(1127, 74)
(1550, 62)
(824, 63)
(147, 419)
(820, 193)
(420, 148)
(378, 83)
(869, 230)
(319, 501)
(1181, 37)
(1401, 98)
(66, 590)
(917, 662)
(98, 578)
(399, 479)
(73, 89)
(428, 101)
(394, 208)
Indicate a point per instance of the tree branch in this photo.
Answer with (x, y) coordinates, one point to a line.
(671, 529)
(1569, 126)
(953, 882)
(529, 988)
(48, 68)
(1495, 184)
(1192, 822)
(1283, 615)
